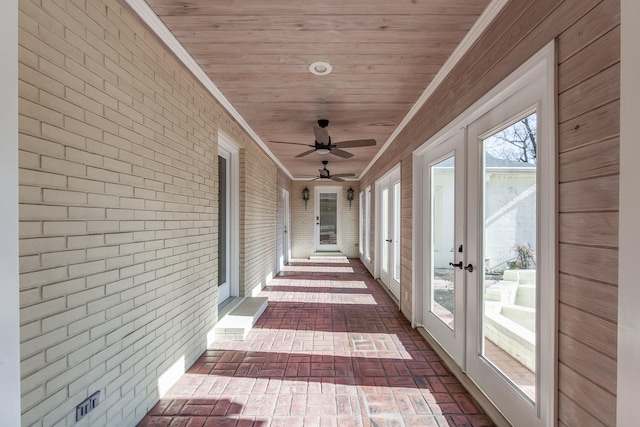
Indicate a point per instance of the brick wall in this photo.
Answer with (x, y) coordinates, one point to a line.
(118, 212)
(258, 222)
(303, 220)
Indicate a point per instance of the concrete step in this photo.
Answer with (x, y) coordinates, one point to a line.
(238, 322)
(327, 255)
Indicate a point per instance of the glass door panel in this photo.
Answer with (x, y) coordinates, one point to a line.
(396, 232)
(385, 230)
(443, 275)
(509, 283)
(328, 210)
(328, 219)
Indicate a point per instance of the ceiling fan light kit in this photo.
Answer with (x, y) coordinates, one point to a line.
(323, 144)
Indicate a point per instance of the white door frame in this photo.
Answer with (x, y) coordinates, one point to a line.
(628, 291)
(9, 286)
(228, 149)
(386, 181)
(286, 238)
(338, 191)
(543, 64)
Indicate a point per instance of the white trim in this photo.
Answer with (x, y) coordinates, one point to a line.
(148, 16)
(225, 143)
(366, 254)
(629, 238)
(541, 65)
(9, 285)
(483, 22)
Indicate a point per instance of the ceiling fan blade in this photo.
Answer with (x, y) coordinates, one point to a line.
(322, 134)
(291, 143)
(356, 143)
(306, 153)
(343, 174)
(336, 179)
(341, 153)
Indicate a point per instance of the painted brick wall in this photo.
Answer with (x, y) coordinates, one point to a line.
(303, 221)
(118, 188)
(258, 220)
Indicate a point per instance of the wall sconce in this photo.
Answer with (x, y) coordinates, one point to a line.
(305, 196)
(350, 196)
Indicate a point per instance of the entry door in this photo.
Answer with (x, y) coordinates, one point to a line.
(504, 246)
(328, 212)
(444, 296)
(224, 229)
(389, 231)
(488, 245)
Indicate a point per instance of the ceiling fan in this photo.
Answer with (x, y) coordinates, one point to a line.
(323, 144)
(325, 174)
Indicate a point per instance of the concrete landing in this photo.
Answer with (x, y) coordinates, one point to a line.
(327, 255)
(239, 321)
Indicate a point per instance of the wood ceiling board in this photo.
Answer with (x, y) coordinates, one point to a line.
(321, 37)
(426, 72)
(384, 54)
(325, 22)
(187, 8)
(303, 52)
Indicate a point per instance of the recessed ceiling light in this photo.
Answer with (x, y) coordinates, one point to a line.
(320, 68)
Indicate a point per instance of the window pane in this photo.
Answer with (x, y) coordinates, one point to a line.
(509, 330)
(443, 240)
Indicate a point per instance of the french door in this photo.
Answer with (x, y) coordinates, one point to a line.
(486, 224)
(228, 219)
(388, 194)
(328, 212)
(444, 179)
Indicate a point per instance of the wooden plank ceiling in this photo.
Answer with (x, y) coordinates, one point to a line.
(383, 53)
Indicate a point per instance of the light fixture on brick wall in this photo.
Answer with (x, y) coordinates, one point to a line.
(350, 196)
(305, 196)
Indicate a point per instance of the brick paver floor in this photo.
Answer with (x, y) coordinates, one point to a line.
(331, 349)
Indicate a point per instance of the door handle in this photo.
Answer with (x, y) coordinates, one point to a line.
(469, 268)
(459, 265)
(388, 240)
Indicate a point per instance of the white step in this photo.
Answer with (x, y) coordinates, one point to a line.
(239, 321)
(327, 255)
